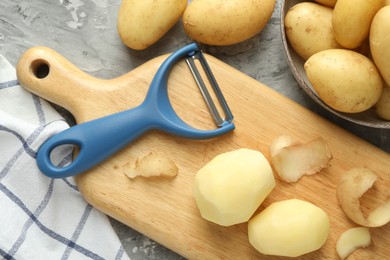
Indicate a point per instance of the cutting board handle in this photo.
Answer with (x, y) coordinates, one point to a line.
(49, 75)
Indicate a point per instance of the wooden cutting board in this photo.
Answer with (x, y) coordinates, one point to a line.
(165, 209)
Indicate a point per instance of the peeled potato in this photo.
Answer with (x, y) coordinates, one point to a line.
(221, 22)
(309, 29)
(289, 228)
(230, 188)
(351, 187)
(345, 80)
(141, 23)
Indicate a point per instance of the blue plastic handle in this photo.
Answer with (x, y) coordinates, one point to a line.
(100, 138)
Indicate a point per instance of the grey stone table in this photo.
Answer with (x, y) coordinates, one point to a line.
(85, 32)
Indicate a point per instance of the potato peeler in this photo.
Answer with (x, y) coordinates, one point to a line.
(100, 138)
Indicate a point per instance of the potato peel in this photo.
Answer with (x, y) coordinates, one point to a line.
(279, 143)
(292, 160)
(351, 187)
(352, 239)
(151, 165)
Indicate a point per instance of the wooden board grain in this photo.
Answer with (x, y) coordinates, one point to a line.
(164, 209)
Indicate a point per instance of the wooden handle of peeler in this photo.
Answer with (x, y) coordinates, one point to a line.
(46, 73)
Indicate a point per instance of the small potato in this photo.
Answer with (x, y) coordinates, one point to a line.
(345, 80)
(380, 42)
(141, 23)
(352, 21)
(221, 22)
(382, 107)
(289, 228)
(309, 29)
(230, 188)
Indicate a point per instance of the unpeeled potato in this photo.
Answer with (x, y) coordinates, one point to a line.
(309, 29)
(143, 22)
(352, 21)
(380, 42)
(382, 107)
(345, 80)
(226, 22)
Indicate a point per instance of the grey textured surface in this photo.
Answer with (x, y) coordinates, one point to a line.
(85, 32)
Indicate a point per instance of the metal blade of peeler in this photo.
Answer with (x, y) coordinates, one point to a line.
(219, 120)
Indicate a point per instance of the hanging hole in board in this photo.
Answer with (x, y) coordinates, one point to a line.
(40, 69)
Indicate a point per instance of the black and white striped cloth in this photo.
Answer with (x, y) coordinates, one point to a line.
(42, 218)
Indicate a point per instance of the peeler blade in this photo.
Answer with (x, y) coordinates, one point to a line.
(219, 119)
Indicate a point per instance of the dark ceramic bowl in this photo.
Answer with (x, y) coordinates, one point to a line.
(367, 118)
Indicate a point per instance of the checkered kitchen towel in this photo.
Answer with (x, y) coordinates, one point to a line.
(42, 218)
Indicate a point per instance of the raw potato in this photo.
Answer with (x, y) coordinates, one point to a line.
(230, 188)
(152, 165)
(351, 240)
(351, 187)
(226, 22)
(380, 42)
(309, 29)
(141, 23)
(382, 107)
(289, 228)
(345, 80)
(292, 160)
(352, 21)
